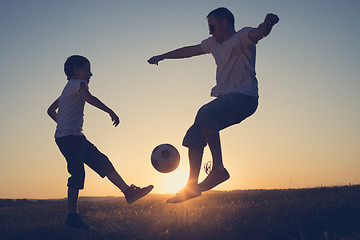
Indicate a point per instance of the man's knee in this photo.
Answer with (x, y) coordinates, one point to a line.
(194, 138)
(206, 117)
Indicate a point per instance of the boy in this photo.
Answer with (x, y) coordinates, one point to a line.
(236, 93)
(72, 143)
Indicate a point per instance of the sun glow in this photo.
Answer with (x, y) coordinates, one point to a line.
(175, 181)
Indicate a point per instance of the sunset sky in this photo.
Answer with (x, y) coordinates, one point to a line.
(305, 132)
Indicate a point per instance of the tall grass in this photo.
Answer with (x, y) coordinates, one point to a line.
(318, 213)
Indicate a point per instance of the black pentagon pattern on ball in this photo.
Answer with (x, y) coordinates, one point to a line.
(166, 154)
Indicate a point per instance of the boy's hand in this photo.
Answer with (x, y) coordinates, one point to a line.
(114, 118)
(271, 18)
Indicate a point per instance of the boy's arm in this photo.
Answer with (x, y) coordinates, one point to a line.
(52, 110)
(184, 52)
(264, 28)
(97, 103)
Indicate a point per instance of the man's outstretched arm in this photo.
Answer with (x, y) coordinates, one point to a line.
(184, 52)
(264, 28)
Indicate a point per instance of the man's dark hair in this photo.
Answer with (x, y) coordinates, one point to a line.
(221, 13)
(75, 61)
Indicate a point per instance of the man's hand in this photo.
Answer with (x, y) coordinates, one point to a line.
(271, 18)
(114, 118)
(256, 34)
(155, 60)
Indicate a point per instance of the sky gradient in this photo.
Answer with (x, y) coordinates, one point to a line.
(305, 132)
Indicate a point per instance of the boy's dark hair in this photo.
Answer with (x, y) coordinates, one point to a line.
(75, 61)
(221, 13)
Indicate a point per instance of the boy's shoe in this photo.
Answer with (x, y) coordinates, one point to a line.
(75, 222)
(215, 177)
(133, 193)
(186, 193)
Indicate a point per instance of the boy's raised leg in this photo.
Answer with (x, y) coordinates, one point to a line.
(132, 193)
(117, 180)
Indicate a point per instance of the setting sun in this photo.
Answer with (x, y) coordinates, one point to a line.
(175, 181)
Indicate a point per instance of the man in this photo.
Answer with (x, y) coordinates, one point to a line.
(236, 93)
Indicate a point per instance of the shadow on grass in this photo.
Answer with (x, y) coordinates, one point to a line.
(317, 213)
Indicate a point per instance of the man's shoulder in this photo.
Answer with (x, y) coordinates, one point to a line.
(243, 35)
(244, 31)
(207, 44)
(209, 39)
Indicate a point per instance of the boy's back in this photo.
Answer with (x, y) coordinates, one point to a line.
(71, 110)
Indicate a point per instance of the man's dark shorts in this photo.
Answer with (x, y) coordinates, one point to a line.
(77, 150)
(220, 113)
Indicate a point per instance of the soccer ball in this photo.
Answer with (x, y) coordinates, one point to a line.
(165, 158)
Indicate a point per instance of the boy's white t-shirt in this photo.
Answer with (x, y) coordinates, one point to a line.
(70, 117)
(235, 60)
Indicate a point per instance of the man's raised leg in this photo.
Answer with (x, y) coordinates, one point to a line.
(218, 173)
(195, 159)
(191, 190)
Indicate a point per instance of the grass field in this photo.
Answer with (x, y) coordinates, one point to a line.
(316, 213)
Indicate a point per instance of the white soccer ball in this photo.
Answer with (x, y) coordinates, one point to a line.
(165, 158)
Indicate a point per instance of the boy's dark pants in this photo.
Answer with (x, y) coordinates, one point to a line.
(77, 150)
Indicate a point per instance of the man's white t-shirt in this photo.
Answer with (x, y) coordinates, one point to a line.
(70, 117)
(235, 60)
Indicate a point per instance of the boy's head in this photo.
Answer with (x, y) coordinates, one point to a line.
(75, 64)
